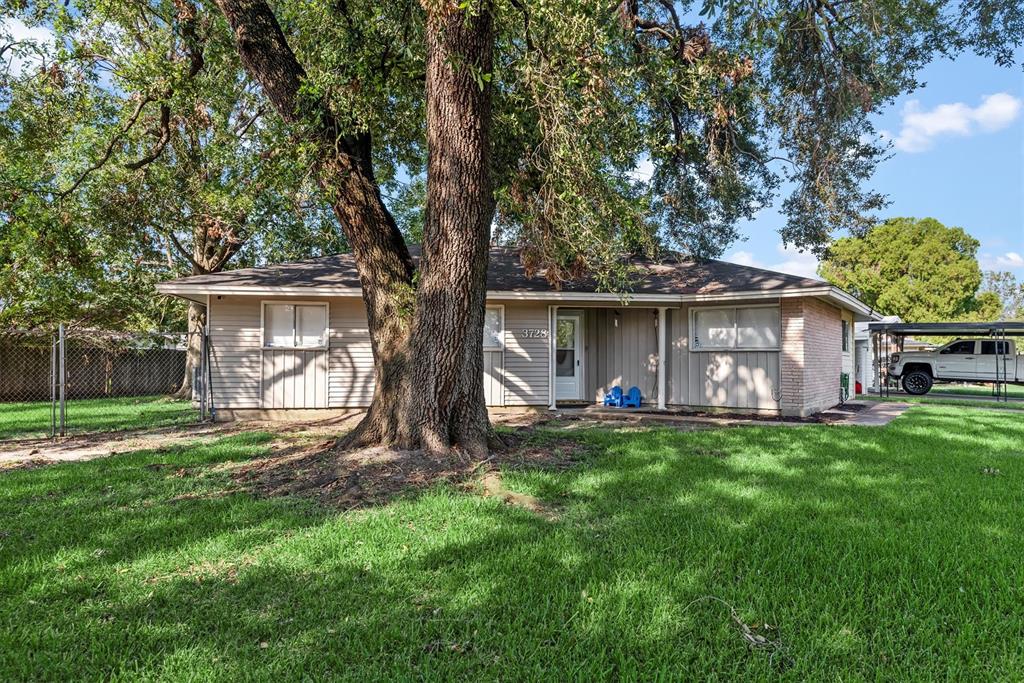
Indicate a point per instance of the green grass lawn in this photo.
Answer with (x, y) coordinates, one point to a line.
(1012, 390)
(883, 554)
(94, 415)
(930, 399)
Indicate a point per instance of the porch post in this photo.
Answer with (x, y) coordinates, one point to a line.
(552, 350)
(662, 346)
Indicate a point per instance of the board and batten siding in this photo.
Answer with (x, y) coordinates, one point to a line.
(727, 379)
(294, 378)
(235, 353)
(621, 349)
(526, 354)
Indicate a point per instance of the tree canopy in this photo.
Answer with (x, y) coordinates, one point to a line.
(726, 102)
(918, 269)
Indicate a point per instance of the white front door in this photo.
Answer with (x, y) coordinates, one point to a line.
(569, 357)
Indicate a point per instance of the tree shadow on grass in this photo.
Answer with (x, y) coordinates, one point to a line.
(862, 552)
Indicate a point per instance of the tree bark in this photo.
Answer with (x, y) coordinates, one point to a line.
(193, 347)
(345, 173)
(435, 401)
(448, 406)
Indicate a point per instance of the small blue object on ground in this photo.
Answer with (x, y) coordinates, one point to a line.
(614, 397)
(632, 399)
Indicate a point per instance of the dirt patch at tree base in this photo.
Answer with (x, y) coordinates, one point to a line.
(374, 476)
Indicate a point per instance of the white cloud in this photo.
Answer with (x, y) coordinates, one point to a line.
(1011, 260)
(785, 260)
(31, 41)
(920, 128)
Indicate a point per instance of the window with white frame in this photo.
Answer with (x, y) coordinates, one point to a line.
(494, 328)
(294, 326)
(735, 327)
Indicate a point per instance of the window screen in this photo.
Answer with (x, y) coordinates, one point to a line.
(494, 332)
(714, 329)
(757, 328)
(278, 321)
(310, 326)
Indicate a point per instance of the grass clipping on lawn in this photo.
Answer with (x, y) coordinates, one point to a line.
(369, 477)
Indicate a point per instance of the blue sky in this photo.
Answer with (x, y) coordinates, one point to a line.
(958, 156)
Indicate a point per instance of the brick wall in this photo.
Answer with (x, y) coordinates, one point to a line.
(811, 359)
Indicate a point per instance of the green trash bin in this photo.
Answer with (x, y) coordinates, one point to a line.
(844, 387)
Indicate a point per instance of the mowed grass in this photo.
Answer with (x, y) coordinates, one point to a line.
(951, 400)
(885, 554)
(94, 415)
(1012, 390)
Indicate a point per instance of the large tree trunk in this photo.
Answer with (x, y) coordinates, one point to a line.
(437, 401)
(193, 347)
(448, 407)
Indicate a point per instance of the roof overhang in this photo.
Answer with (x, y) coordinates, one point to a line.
(834, 295)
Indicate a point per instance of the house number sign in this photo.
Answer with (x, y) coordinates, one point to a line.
(534, 333)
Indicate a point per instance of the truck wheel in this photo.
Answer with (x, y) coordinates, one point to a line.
(917, 382)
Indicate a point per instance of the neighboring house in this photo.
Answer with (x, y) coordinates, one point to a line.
(704, 334)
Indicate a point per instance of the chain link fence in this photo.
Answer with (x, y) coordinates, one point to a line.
(61, 382)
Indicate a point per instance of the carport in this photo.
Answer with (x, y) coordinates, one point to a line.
(888, 337)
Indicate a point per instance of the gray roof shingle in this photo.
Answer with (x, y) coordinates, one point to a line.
(671, 275)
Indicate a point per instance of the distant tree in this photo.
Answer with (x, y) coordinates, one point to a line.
(1010, 292)
(918, 269)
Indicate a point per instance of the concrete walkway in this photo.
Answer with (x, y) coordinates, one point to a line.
(877, 414)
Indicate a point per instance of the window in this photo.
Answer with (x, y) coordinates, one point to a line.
(846, 335)
(295, 326)
(494, 328)
(989, 348)
(749, 327)
(960, 347)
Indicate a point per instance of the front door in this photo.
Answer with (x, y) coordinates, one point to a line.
(569, 357)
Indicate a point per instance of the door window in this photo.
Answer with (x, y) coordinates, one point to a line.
(960, 348)
(565, 349)
(990, 348)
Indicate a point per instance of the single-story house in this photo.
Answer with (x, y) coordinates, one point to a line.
(703, 334)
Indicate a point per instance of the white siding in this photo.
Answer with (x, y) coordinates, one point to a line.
(351, 380)
(235, 351)
(526, 357)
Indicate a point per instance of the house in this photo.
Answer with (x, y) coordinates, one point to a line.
(706, 334)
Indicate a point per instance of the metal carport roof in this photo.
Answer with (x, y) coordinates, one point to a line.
(996, 328)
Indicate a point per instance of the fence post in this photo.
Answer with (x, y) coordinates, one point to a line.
(53, 385)
(63, 380)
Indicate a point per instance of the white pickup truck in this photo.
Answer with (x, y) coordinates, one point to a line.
(963, 360)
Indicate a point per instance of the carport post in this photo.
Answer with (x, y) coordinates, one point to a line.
(662, 334)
